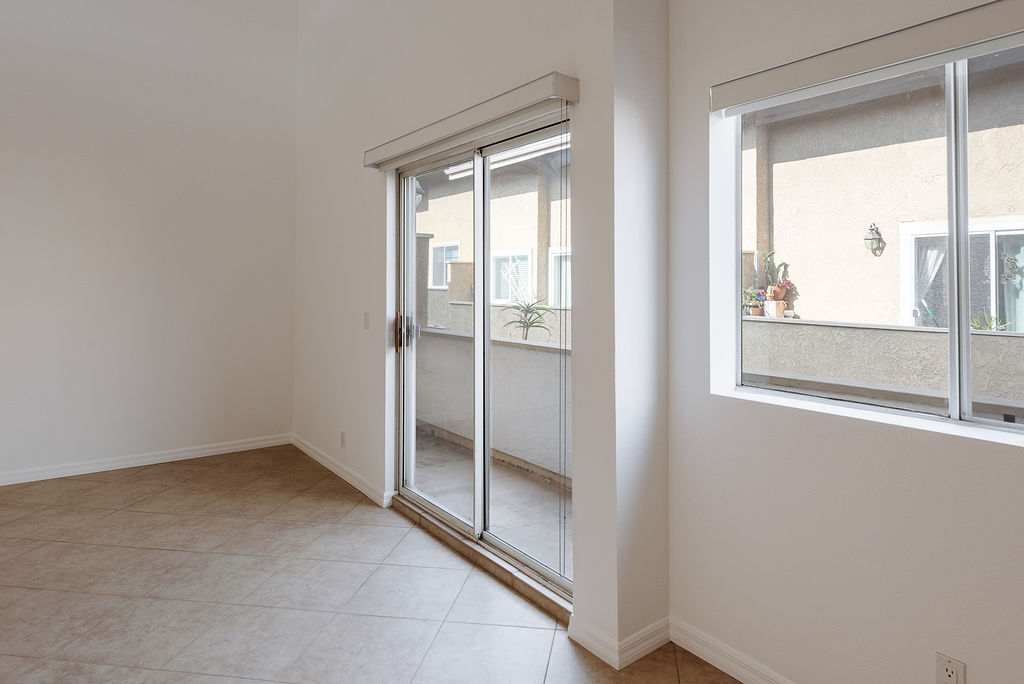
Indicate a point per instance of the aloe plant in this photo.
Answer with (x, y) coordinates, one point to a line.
(528, 315)
(983, 321)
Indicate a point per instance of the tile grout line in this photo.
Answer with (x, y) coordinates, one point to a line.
(269, 577)
(440, 626)
(252, 522)
(378, 564)
(133, 598)
(326, 624)
(551, 652)
(56, 656)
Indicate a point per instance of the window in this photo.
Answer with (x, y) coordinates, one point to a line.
(560, 279)
(880, 237)
(510, 277)
(995, 248)
(440, 256)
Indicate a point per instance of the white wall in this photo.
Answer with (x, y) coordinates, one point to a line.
(146, 223)
(370, 72)
(826, 549)
(641, 300)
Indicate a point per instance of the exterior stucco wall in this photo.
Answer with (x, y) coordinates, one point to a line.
(884, 162)
(907, 359)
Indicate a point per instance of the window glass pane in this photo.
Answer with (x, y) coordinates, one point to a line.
(502, 284)
(438, 268)
(1010, 283)
(981, 273)
(529, 485)
(844, 239)
(442, 256)
(931, 279)
(561, 275)
(931, 282)
(995, 147)
(512, 278)
(439, 462)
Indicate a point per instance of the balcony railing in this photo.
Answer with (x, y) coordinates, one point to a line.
(901, 364)
(526, 398)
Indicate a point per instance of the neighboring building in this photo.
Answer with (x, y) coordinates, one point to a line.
(531, 257)
(814, 182)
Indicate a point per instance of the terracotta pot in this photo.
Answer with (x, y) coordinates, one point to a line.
(757, 311)
(778, 293)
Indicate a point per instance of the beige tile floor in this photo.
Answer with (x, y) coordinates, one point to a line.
(261, 565)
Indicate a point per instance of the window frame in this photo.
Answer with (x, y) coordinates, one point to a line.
(725, 255)
(430, 276)
(910, 231)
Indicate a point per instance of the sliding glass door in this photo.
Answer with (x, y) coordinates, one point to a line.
(529, 359)
(486, 346)
(440, 338)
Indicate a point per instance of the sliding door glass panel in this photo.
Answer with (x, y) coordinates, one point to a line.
(438, 461)
(844, 239)
(995, 147)
(530, 351)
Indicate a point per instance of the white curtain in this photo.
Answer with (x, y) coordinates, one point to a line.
(931, 254)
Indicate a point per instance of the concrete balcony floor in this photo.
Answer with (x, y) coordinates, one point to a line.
(527, 511)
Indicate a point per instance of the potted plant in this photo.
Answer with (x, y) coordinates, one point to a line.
(773, 273)
(780, 289)
(757, 309)
(776, 278)
(749, 301)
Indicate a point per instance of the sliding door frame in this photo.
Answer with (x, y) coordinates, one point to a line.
(478, 527)
(404, 340)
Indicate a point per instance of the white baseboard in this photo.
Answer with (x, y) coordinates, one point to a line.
(623, 653)
(376, 494)
(599, 644)
(149, 458)
(724, 657)
(647, 640)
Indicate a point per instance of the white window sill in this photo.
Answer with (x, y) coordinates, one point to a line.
(878, 414)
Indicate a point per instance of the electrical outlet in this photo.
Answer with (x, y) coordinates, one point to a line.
(949, 670)
(366, 320)
(342, 440)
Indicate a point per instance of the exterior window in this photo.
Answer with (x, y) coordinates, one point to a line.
(510, 277)
(440, 257)
(995, 248)
(560, 294)
(849, 285)
(1009, 283)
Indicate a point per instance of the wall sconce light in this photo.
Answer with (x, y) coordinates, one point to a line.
(873, 240)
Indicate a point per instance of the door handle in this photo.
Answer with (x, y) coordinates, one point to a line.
(398, 332)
